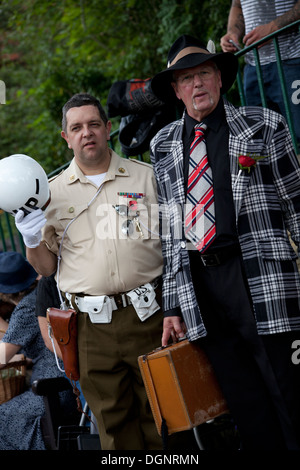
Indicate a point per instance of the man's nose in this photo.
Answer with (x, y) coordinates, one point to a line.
(197, 79)
(86, 131)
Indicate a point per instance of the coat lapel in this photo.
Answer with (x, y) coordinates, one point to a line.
(171, 162)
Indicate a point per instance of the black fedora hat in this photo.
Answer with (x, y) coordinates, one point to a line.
(187, 52)
(16, 274)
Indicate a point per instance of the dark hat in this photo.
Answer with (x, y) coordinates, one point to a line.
(137, 130)
(187, 52)
(16, 274)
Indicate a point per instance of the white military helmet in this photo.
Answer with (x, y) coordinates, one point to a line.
(23, 184)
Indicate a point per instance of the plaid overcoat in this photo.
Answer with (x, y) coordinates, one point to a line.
(267, 207)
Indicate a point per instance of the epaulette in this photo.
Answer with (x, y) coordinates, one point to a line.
(55, 176)
(140, 162)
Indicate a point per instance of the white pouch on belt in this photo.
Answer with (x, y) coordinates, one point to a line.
(143, 301)
(99, 308)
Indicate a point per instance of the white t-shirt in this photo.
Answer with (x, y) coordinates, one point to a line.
(96, 179)
(261, 12)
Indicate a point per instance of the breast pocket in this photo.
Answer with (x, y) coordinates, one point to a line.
(75, 224)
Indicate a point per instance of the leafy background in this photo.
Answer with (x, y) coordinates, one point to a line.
(51, 50)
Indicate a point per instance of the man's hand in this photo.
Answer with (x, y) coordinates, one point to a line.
(174, 327)
(30, 227)
(258, 33)
(227, 45)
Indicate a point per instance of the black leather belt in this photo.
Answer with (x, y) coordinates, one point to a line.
(215, 259)
(123, 300)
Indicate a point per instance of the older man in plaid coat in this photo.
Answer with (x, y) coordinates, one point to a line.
(240, 299)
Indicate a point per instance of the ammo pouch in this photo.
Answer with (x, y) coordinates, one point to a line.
(143, 301)
(100, 307)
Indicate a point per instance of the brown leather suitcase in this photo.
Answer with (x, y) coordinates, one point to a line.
(181, 387)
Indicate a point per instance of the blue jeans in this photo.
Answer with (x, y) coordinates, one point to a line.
(291, 69)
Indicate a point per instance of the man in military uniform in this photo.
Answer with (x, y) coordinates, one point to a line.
(101, 224)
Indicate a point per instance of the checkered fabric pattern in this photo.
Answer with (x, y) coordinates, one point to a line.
(267, 206)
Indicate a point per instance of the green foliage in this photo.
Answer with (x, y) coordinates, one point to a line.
(51, 50)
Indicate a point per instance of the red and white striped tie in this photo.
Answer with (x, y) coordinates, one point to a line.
(200, 226)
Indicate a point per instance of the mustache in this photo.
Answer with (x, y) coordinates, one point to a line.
(195, 105)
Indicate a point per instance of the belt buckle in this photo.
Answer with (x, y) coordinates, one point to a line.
(210, 260)
(121, 300)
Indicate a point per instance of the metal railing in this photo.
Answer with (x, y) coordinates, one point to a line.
(254, 47)
(10, 238)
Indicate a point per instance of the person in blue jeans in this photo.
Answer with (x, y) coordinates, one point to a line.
(250, 21)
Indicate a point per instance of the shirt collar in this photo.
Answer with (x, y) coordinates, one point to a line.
(213, 121)
(117, 167)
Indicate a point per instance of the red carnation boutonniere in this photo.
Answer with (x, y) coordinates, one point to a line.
(246, 162)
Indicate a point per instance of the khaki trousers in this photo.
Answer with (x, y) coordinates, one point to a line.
(110, 378)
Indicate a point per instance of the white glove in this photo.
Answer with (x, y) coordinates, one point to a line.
(30, 226)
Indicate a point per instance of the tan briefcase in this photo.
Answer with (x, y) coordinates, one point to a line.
(181, 387)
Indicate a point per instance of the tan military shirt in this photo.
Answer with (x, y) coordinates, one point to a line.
(98, 257)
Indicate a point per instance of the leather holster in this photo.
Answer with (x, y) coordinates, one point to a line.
(64, 328)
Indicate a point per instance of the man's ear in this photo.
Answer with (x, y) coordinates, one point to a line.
(174, 86)
(108, 129)
(65, 136)
(220, 79)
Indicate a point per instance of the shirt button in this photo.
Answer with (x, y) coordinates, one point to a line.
(182, 244)
(71, 210)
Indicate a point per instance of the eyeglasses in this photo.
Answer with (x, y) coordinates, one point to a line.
(188, 79)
